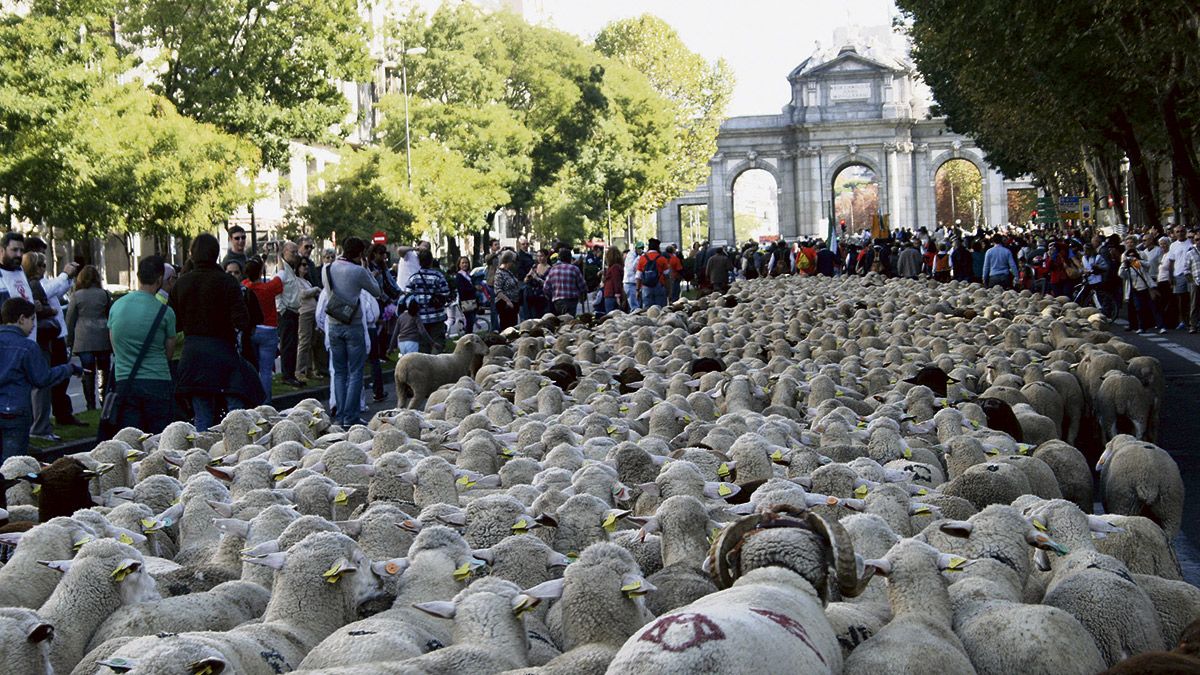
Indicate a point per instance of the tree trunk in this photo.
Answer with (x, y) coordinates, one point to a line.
(1182, 151)
(1110, 172)
(1126, 139)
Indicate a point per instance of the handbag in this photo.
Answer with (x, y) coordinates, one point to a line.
(337, 309)
(111, 410)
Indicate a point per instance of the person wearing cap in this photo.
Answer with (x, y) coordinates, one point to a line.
(657, 293)
(630, 279)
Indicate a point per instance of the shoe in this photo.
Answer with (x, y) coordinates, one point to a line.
(293, 382)
(72, 422)
(1180, 326)
(52, 437)
(1139, 331)
(1162, 331)
(377, 399)
(1192, 331)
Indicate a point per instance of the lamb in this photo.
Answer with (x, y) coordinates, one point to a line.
(418, 375)
(685, 527)
(25, 641)
(25, 583)
(1141, 479)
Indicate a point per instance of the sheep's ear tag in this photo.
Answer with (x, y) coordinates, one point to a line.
(118, 664)
(610, 522)
(1024, 448)
(712, 536)
(125, 568)
(340, 497)
(723, 490)
(776, 456)
(861, 425)
(125, 539)
(623, 408)
(462, 572)
(36, 489)
(955, 564)
(921, 510)
(465, 481)
(81, 541)
(334, 573)
(523, 603)
(611, 431)
(283, 472)
(975, 423)
(521, 526)
(907, 452)
(860, 491)
(921, 492)
(209, 666)
(723, 470)
(1041, 527)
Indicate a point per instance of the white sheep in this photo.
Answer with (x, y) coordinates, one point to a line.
(25, 641)
(418, 375)
(1141, 479)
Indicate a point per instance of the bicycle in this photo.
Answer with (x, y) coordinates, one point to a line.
(1095, 297)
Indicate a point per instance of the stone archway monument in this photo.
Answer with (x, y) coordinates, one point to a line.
(861, 103)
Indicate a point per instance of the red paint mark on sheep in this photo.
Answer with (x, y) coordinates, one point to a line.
(703, 629)
(790, 625)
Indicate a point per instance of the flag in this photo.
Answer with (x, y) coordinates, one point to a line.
(833, 237)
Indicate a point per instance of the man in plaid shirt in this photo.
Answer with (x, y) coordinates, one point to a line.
(565, 284)
(429, 288)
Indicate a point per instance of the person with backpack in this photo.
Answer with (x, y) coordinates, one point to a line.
(941, 264)
(675, 263)
(653, 276)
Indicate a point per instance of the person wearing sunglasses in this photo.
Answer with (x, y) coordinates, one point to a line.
(237, 247)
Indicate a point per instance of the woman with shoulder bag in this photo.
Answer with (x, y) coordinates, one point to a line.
(87, 330)
(467, 300)
(507, 290)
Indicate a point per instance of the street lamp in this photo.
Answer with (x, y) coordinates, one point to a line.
(413, 51)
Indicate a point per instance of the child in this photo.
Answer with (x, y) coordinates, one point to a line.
(409, 330)
(22, 369)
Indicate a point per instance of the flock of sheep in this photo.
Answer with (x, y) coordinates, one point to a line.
(810, 475)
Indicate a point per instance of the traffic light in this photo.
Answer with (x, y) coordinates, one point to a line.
(843, 222)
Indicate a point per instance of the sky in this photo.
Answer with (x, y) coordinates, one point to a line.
(762, 40)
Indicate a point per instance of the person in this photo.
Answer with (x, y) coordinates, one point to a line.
(212, 312)
(535, 286)
(345, 280)
(653, 276)
(87, 333)
(1192, 256)
(614, 275)
(327, 258)
(306, 246)
(1176, 254)
(675, 264)
(287, 307)
(1094, 267)
(999, 267)
(630, 279)
(565, 284)
(718, 268)
(309, 345)
(1136, 285)
(508, 290)
(1166, 298)
(525, 262)
(407, 264)
(266, 333)
(908, 263)
(22, 368)
(409, 330)
(827, 260)
(139, 323)
(51, 338)
(12, 274)
(237, 247)
(468, 300)
(430, 289)
(941, 263)
(960, 260)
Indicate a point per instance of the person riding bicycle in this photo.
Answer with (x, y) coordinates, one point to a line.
(1094, 268)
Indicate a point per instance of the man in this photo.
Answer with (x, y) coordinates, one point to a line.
(22, 367)
(630, 280)
(306, 249)
(48, 293)
(345, 280)
(908, 263)
(525, 262)
(717, 269)
(999, 267)
(211, 311)
(1136, 285)
(827, 260)
(12, 275)
(287, 304)
(675, 263)
(431, 291)
(134, 326)
(654, 276)
(1177, 256)
(565, 284)
(237, 247)
(960, 261)
(407, 264)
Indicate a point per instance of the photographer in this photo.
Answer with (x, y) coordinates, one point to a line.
(1136, 284)
(429, 288)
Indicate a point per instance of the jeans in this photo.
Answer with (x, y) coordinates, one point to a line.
(676, 284)
(1001, 280)
(408, 347)
(610, 304)
(95, 372)
(656, 296)
(266, 343)
(289, 337)
(632, 294)
(14, 435)
(146, 405)
(206, 409)
(348, 352)
(565, 306)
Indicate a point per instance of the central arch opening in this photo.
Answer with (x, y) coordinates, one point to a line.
(958, 190)
(755, 206)
(855, 198)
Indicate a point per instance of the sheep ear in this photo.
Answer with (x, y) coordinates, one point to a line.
(881, 567)
(125, 568)
(650, 488)
(209, 666)
(611, 516)
(234, 526)
(390, 568)
(339, 568)
(489, 481)
(223, 473)
(365, 469)
(439, 608)
(223, 509)
(61, 565)
(409, 477)
(281, 472)
(319, 467)
(547, 590)
(1101, 526)
(40, 633)
(546, 520)
(720, 490)
(287, 493)
(35, 478)
(118, 664)
(98, 470)
(454, 519)
(10, 538)
(957, 528)
(273, 560)
(351, 528)
(484, 554)
(1042, 560)
(556, 559)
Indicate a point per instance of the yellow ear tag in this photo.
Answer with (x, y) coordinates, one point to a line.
(956, 564)
(148, 523)
(712, 536)
(573, 556)
(280, 473)
(922, 492)
(921, 511)
(633, 589)
(1024, 448)
(206, 670)
(724, 490)
(462, 572)
(861, 425)
(506, 452)
(623, 408)
(340, 498)
(1039, 525)
(601, 387)
(125, 539)
(723, 470)
(79, 544)
(610, 522)
(776, 456)
(612, 430)
(333, 574)
(861, 491)
(36, 489)
(908, 453)
(520, 526)
(121, 572)
(838, 393)
(975, 423)
(465, 481)
(527, 604)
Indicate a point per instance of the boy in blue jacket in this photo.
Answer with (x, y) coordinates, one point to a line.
(22, 369)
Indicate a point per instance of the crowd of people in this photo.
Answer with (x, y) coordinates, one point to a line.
(195, 342)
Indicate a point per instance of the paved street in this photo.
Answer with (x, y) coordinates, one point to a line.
(1180, 433)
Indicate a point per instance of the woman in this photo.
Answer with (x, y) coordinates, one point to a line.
(266, 333)
(306, 347)
(87, 331)
(535, 286)
(465, 288)
(614, 275)
(51, 337)
(507, 290)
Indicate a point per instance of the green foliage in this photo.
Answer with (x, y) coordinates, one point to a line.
(366, 192)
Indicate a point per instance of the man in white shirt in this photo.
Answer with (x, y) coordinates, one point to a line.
(407, 264)
(12, 277)
(1177, 257)
(630, 278)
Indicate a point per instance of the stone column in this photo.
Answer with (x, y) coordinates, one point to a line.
(720, 202)
(789, 221)
(893, 186)
(923, 192)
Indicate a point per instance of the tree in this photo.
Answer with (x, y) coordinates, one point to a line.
(366, 193)
(264, 70)
(958, 192)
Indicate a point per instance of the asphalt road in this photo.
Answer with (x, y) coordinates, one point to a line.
(1179, 433)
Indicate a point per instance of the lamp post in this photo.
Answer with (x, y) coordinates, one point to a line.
(413, 51)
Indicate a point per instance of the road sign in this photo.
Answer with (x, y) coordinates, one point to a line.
(1068, 207)
(379, 238)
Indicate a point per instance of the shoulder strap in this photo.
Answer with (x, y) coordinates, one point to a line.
(329, 276)
(146, 345)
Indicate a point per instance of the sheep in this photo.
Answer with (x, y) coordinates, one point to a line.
(1071, 471)
(685, 527)
(1140, 544)
(102, 577)
(25, 641)
(417, 375)
(25, 583)
(64, 487)
(1122, 406)
(1141, 479)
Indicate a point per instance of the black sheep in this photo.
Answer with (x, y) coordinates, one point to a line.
(1001, 418)
(64, 487)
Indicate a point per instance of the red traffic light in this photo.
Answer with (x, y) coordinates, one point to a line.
(843, 222)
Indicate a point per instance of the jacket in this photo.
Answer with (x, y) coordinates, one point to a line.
(208, 303)
(23, 369)
(87, 320)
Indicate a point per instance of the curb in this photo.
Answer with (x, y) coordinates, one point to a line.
(85, 444)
